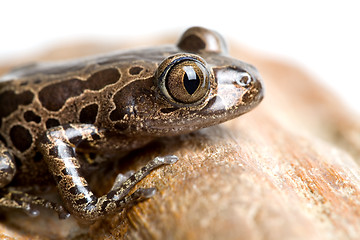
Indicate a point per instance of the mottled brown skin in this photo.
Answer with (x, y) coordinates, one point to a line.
(52, 113)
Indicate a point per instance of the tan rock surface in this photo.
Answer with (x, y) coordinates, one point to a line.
(287, 170)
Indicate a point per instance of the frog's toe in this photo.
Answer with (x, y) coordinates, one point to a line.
(31, 211)
(62, 212)
(121, 178)
(169, 159)
(142, 194)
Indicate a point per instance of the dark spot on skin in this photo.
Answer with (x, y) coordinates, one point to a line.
(18, 162)
(20, 137)
(53, 151)
(30, 116)
(92, 155)
(84, 200)
(104, 205)
(57, 178)
(76, 136)
(24, 83)
(37, 81)
(133, 127)
(192, 43)
(168, 110)
(10, 101)
(2, 139)
(18, 202)
(38, 157)
(74, 190)
(54, 96)
(65, 172)
(121, 126)
(118, 114)
(132, 178)
(81, 201)
(95, 136)
(88, 114)
(110, 195)
(68, 171)
(135, 70)
(51, 122)
(102, 79)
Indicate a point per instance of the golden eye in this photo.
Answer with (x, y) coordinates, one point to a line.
(184, 79)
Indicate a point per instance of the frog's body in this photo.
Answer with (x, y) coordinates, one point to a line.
(113, 103)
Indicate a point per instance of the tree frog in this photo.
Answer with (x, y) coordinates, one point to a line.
(54, 113)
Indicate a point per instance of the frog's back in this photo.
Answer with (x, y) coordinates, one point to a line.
(44, 95)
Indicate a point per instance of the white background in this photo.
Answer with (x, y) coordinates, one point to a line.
(320, 36)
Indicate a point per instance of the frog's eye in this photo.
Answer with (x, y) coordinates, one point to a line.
(184, 79)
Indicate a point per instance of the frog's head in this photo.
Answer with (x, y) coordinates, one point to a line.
(197, 86)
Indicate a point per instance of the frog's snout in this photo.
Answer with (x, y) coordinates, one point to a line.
(239, 89)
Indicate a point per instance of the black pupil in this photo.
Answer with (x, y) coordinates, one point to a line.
(191, 80)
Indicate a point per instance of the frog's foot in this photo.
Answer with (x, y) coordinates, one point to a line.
(132, 178)
(121, 178)
(20, 200)
(121, 187)
(57, 146)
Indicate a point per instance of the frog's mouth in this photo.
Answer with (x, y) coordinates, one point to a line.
(220, 107)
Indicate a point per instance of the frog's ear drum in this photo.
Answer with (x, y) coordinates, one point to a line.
(198, 39)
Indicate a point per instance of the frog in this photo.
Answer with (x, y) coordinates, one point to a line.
(54, 114)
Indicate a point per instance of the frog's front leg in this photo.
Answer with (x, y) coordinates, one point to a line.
(13, 198)
(58, 147)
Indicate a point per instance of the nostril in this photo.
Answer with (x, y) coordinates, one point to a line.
(243, 79)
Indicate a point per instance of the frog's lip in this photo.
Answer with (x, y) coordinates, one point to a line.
(196, 122)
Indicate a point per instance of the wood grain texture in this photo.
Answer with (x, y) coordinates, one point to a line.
(287, 170)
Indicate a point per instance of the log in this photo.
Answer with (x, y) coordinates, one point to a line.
(287, 170)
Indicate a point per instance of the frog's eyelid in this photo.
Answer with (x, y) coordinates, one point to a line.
(198, 39)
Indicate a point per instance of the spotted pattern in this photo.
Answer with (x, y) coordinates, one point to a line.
(51, 111)
(54, 96)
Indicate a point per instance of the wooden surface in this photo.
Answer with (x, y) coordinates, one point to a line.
(287, 170)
